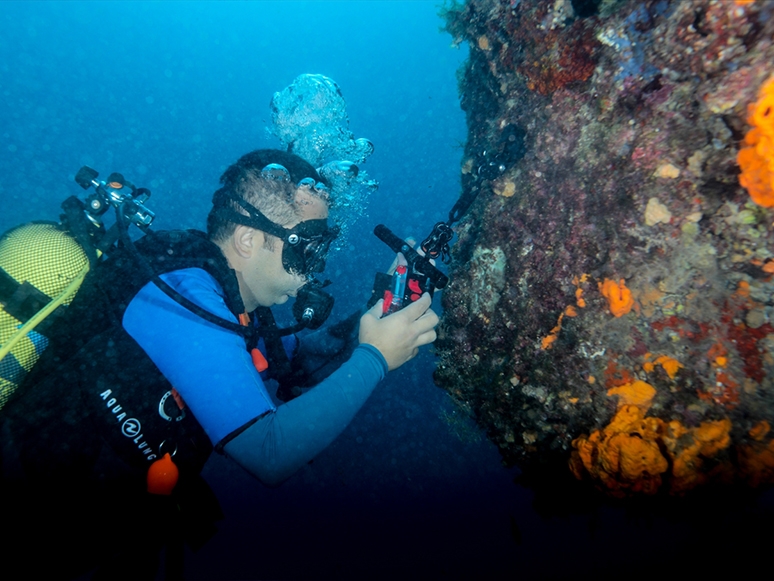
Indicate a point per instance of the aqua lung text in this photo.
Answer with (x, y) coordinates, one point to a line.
(130, 427)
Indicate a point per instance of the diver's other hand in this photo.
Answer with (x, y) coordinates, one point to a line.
(399, 336)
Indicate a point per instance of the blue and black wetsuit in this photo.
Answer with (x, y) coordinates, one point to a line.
(126, 345)
(213, 372)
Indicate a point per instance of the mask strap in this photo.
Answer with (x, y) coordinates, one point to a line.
(256, 219)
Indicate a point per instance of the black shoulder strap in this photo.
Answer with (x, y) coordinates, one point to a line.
(278, 359)
(177, 249)
(133, 265)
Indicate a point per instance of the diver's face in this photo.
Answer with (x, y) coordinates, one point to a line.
(264, 281)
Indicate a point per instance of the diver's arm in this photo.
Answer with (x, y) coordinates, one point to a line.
(281, 442)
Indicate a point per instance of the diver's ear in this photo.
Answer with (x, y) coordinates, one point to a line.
(246, 240)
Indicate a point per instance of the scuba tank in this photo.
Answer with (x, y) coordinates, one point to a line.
(41, 269)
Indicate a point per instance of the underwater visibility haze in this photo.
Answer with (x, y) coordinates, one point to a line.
(605, 351)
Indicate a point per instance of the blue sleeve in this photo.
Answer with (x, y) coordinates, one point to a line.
(207, 364)
(278, 444)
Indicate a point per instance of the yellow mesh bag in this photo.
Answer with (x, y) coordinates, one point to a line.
(54, 263)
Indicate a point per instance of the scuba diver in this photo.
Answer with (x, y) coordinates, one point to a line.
(165, 355)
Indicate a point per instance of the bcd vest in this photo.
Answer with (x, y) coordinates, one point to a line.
(95, 385)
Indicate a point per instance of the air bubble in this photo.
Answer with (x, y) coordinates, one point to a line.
(310, 119)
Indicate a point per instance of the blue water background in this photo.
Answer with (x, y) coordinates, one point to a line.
(170, 94)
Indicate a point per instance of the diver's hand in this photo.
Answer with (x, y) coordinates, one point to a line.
(399, 336)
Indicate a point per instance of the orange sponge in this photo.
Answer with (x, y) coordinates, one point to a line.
(624, 457)
(619, 298)
(756, 159)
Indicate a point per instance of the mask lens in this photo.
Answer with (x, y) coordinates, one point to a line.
(314, 256)
(307, 255)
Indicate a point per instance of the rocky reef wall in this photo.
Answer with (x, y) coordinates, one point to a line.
(611, 308)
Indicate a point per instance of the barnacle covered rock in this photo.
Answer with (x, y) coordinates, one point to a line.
(629, 118)
(489, 267)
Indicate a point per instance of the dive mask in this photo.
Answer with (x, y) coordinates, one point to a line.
(306, 244)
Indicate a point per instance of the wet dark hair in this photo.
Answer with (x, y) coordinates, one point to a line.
(275, 199)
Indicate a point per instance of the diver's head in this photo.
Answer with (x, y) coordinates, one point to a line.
(270, 219)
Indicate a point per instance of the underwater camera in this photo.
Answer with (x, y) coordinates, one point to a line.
(418, 276)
